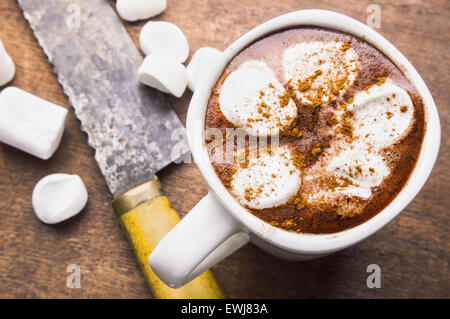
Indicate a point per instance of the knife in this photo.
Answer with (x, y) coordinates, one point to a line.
(128, 125)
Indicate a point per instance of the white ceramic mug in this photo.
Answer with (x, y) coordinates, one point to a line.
(218, 225)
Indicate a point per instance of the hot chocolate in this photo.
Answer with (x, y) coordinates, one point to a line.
(343, 128)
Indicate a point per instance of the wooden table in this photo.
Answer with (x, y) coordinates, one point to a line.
(413, 250)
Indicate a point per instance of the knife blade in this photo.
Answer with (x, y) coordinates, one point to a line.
(129, 125)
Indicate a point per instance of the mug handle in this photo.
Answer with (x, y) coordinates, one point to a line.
(205, 236)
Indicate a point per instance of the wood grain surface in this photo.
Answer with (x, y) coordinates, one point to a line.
(412, 251)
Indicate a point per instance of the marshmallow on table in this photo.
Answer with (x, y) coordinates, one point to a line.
(30, 123)
(164, 74)
(133, 10)
(58, 197)
(164, 38)
(200, 65)
(7, 68)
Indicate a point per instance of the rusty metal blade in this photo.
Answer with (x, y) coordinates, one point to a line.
(95, 60)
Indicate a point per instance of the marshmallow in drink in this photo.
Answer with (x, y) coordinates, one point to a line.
(268, 180)
(133, 10)
(252, 98)
(200, 64)
(382, 114)
(163, 73)
(364, 168)
(343, 177)
(7, 68)
(30, 123)
(58, 197)
(320, 70)
(164, 38)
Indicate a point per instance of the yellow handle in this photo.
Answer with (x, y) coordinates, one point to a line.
(146, 215)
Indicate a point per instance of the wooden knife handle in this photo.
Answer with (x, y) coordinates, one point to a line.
(146, 215)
